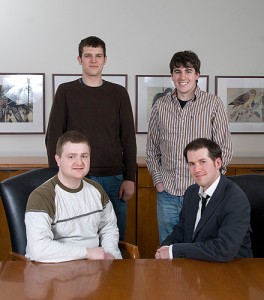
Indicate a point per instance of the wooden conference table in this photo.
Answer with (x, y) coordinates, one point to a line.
(133, 279)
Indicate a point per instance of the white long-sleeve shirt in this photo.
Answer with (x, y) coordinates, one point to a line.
(62, 223)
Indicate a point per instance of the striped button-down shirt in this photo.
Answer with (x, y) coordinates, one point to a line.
(171, 128)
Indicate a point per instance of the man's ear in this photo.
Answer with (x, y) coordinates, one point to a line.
(218, 163)
(79, 60)
(57, 158)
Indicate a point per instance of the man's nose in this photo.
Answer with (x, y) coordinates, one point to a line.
(93, 59)
(182, 75)
(78, 160)
(197, 168)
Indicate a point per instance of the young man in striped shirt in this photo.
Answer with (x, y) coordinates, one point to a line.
(176, 119)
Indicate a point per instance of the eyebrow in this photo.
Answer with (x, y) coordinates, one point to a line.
(89, 53)
(187, 68)
(77, 153)
(201, 159)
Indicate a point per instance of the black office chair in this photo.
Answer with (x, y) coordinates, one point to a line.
(253, 186)
(15, 192)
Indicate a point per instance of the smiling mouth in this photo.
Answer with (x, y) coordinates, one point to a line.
(199, 176)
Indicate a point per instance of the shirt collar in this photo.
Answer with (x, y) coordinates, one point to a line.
(196, 92)
(210, 190)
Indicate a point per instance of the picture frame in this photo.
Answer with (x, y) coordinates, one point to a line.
(58, 79)
(22, 103)
(243, 97)
(148, 89)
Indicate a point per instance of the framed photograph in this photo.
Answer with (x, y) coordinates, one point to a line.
(149, 88)
(243, 97)
(22, 103)
(57, 79)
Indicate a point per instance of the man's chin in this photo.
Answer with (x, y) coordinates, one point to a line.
(199, 181)
(79, 173)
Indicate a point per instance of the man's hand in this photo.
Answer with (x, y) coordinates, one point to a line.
(109, 256)
(95, 253)
(126, 190)
(162, 253)
(160, 187)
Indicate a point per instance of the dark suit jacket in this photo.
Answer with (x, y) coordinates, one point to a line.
(223, 232)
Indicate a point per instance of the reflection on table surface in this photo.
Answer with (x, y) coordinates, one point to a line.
(133, 279)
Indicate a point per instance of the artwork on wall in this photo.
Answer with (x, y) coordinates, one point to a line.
(22, 103)
(149, 88)
(243, 97)
(57, 79)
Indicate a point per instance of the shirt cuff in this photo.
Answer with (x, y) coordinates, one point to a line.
(170, 252)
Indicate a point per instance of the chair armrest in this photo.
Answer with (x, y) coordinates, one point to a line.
(128, 250)
(16, 257)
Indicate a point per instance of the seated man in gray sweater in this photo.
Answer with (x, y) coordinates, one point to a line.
(70, 217)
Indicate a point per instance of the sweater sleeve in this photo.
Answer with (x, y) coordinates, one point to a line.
(39, 216)
(108, 231)
(40, 244)
(57, 124)
(128, 138)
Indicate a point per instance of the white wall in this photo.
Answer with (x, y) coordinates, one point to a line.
(141, 37)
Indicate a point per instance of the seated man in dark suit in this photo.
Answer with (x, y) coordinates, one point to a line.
(218, 229)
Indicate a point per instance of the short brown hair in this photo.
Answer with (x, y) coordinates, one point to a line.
(74, 137)
(214, 150)
(91, 41)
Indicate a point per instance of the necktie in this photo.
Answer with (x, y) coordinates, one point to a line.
(204, 201)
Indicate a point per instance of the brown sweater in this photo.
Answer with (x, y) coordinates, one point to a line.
(105, 116)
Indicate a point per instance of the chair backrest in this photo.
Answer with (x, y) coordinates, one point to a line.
(14, 193)
(253, 186)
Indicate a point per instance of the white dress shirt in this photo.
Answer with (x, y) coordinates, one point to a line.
(201, 193)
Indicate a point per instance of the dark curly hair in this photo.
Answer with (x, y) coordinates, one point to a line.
(185, 59)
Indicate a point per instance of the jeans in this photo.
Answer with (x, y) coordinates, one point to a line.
(168, 210)
(111, 185)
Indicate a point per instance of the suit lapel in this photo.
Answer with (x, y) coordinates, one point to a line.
(214, 202)
(191, 214)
